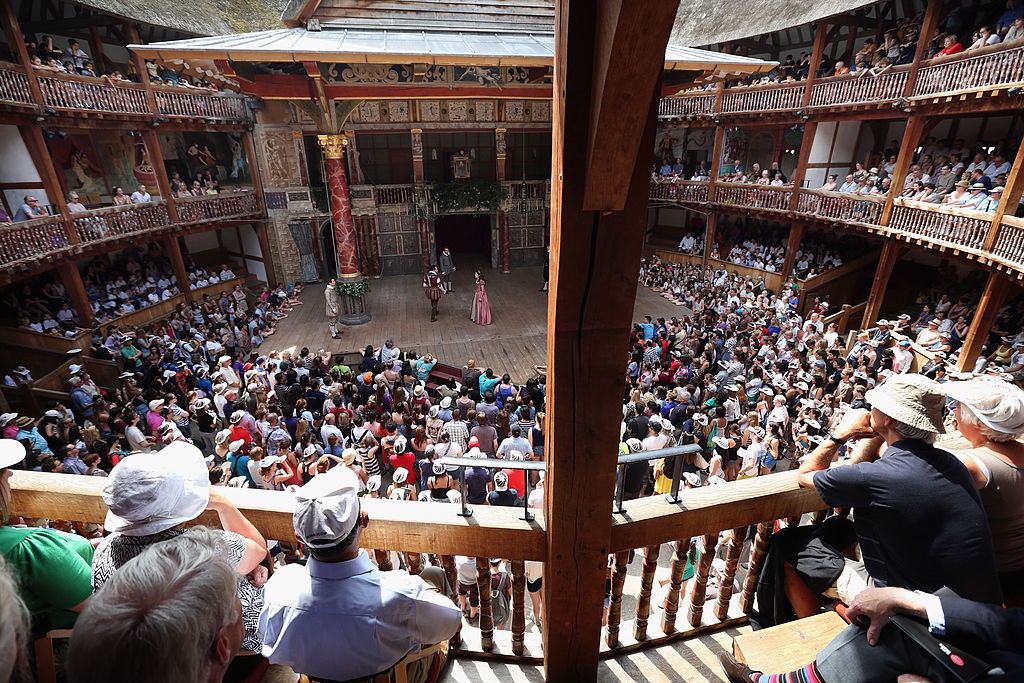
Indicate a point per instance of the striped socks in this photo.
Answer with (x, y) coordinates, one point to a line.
(808, 674)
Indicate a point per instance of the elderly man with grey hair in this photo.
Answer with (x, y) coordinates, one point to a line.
(170, 614)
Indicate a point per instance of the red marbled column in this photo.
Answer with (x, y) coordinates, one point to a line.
(341, 206)
(424, 229)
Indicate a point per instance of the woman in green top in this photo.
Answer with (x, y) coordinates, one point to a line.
(54, 569)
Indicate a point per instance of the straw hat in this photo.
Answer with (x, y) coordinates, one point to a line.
(911, 399)
(348, 456)
(996, 403)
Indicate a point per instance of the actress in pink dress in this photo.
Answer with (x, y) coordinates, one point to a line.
(481, 312)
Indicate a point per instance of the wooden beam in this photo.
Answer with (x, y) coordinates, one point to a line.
(622, 77)
(806, 142)
(268, 253)
(72, 281)
(33, 138)
(140, 66)
(820, 37)
(796, 234)
(997, 288)
(891, 252)
(156, 159)
(605, 57)
(932, 14)
(249, 148)
(911, 137)
(16, 42)
(1011, 198)
(173, 249)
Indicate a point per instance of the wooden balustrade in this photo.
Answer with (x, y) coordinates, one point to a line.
(773, 198)
(116, 221)
(207, 104)
(842, 206)
(1009, 245)
(987, 67)
(689, 104)
(526, 189)
(393, 194)
(217, 206)
(838, 91)
(67, 91)
(32, 239)
(694, 191)
(14, 85)
(934, 222)
(775, 97)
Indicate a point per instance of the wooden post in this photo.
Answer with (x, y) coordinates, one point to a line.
(384, 563)
(680, 549)
(997, 288)
(72, 281)
(173, 249)
(732, 558)
(140, 67)
(820, 35)
(99, 58)
(483, 584)
(643, 601)
(1011, 198)
(156, 158)
(609, 56)
(796, 234)
(254, 169)
(754, 566)
(912, 136)
(518, 571)
(33, 138)
(16, 42)
(413, 563)
(695, 610)
(452, 574)
(615, 598)
(709, 237)
(932, 14)
(806, 142)
(267, 252)
(716, 160)
(891, 252)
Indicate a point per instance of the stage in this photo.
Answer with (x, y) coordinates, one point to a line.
(513, 343)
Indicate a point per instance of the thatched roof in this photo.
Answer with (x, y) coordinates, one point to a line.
(196, 17)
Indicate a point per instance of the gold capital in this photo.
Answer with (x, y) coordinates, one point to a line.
(333, 145)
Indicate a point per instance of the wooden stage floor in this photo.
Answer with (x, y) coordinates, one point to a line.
(513, 343)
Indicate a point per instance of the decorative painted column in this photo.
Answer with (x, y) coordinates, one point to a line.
(344, 228)
(506, 246)
(499, 153)
(416, 135)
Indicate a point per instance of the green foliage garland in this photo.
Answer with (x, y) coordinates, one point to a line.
(357, 288)
(482, 194)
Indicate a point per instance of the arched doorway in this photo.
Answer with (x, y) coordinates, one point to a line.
(328, 260)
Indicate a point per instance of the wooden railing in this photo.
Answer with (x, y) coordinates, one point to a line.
(207, 104)
(689, 104)
(680, 190)
(14, 84)
(937, 223)
(31, 239)
(850, 89)
(528, 189)
(841, 206)
(775, 97)
(774, 198)
(983, 68)
(1009, 244)
(217, 206)
(116, 221)
(67, 91)
(384, 195)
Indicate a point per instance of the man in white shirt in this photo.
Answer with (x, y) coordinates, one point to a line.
(339, 617)
(996, 166)
(850, 185)
(140, 196)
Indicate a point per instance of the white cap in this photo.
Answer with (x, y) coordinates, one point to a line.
(327, 508)
(11, 452)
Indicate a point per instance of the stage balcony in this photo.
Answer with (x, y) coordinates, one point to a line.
(969, 77)
(974, 235)
(69, 95)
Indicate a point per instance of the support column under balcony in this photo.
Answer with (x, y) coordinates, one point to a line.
(173, 249)
(796, 235)
(891, 252)
(997, 289)
(1011, 199)
(72, 281)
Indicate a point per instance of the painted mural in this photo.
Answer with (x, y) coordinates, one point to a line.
(78, 166)
(194, 154)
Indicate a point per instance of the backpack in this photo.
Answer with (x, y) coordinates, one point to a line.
(500, 607)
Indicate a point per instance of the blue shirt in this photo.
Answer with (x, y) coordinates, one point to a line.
(344, 620)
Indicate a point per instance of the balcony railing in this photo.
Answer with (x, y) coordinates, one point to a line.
(680, 190)
(983, 68)
(217, 206)
(117, 221)
(777, 97)
(32, 239)
(841, 206)
(386, 195)
(172, 101)
(773, 198)
(842, 90)
(14, 85)
(1009, 245)
(66, 91)
(689, 104)
(957, 227)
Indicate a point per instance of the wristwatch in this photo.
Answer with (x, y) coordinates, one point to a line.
(836, 440)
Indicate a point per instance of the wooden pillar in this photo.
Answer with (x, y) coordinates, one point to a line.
(643, 600)
(912, 136)
(732, 558)
(932, 15)
(499, 153)
(810, 129)
(997, 288)
(615, 599)
(36, 144)
(99, 58)
(156, 158)
(16, 42)
(249, 148)
(518, 571)
(796, 234)
(483, 585)
(417, 155)
(140, 66)
(820, 36)
(72, 281)
(709, 237)
(716, 160)
(609, 55)
(757, 554)
(266, 251)
(891, 252)
(173, 249)
(695, 610)
(1011, 198)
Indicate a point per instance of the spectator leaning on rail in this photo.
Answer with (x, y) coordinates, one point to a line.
(918, 514)
(339, 617)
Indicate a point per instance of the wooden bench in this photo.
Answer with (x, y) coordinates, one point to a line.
(439, 375)
(787, 646)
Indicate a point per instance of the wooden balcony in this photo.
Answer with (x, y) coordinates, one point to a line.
(839, 206)
(387, 195)
(776, 97)
(31, 239)
(754, 197)
(117, 221)
(694, 191)
(1009, 244)
(839, 91)
(942, 225)
(699, 103)
(985, 68)
(66, 93)
(217, 207)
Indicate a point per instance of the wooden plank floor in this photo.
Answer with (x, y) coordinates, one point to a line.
(513, 343)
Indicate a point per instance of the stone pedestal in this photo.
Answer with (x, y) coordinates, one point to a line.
(353, 308)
